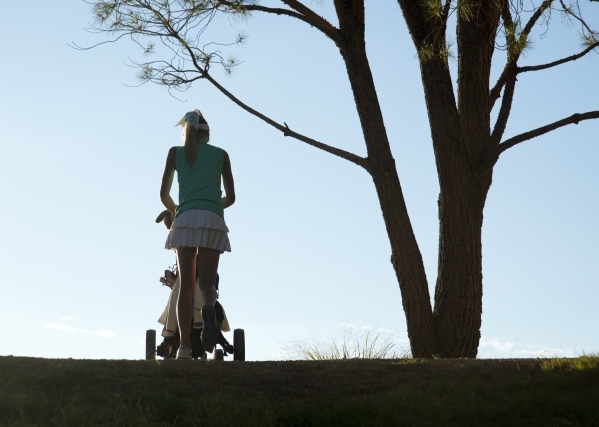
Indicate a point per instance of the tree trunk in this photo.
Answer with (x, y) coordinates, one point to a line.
(407, 260)
(464, 180)
(461, 144)
(458, 293)
(406, 257)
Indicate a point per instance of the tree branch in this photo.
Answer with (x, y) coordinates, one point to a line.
(507, 19)
(300, 12)
(506, 105)
(360, 161)
(578, 18)
(446, 9)
(495, 93)
(558, 62)
(307, 12)
(573, 119)
(535, 17)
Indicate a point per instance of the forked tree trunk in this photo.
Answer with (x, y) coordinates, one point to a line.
(460, 140)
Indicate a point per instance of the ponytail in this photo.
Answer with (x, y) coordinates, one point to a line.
(191, 145)
(192, 138)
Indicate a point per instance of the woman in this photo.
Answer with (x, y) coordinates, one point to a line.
(199, 233)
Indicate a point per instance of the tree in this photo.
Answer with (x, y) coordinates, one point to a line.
(467, 141)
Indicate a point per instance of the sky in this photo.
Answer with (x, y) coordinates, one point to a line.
(83, 151)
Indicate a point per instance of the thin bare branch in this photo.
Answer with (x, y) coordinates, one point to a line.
(300, 12)
(77, 47)
(573, 119)
(569, 11)
(360, 161)
(558, 62)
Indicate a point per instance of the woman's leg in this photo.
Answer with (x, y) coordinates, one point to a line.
(207, 267)
(207, 264)
(186, 263)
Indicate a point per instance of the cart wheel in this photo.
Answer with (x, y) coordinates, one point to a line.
(219, 355)
(150, 344)
(239, 345)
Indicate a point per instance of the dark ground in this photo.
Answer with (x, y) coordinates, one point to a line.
(275, 380)
(523, 392)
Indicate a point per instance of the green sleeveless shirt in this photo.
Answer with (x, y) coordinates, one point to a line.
(199, 187)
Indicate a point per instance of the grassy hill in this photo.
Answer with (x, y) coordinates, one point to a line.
(400, 392)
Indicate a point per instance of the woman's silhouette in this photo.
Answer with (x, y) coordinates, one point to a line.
(198, 233)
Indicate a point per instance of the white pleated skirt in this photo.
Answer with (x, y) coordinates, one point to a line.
(199, 228)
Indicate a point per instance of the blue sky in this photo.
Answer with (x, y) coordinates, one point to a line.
(83, 155)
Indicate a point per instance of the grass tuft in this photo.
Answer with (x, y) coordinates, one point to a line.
(349, 345)
(582, 363)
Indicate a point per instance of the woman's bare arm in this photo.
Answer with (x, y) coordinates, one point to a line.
(167, 181)
(228, 183)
